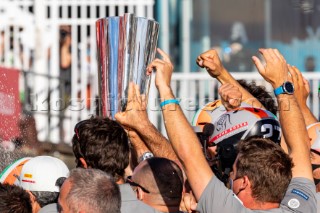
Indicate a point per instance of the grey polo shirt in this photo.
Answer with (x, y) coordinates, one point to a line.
(300, 197)
(318, 202)
(51, 208)
(130, 203)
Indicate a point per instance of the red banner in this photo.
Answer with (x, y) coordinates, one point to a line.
(9, 103)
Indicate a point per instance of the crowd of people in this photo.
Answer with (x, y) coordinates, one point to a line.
(247, 152)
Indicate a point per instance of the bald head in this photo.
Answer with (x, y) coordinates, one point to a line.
(162, 178)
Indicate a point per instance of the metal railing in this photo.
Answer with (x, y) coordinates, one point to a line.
(193, 89)
(198, 88)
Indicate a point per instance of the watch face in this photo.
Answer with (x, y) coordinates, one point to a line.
(288, 87)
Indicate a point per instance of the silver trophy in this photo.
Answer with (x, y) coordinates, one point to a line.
(126, 45)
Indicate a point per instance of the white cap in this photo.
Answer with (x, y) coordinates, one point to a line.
(41, 173)
(12, 172)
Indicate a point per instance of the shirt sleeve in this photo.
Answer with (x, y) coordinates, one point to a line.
(300, 196)
(217, 198)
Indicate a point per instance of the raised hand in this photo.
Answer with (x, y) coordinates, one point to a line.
(301, 93)
(211, 61)
(135, 114)
(301, 85)
(163, 68)
(188, 203)
(275, 71)
(230, 96)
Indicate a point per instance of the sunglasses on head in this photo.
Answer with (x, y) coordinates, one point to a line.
(132, 183)
(77, 127)
(315, 151)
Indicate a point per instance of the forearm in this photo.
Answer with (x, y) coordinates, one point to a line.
(156, 142)
(295, 135)
(309, 118)
(225, 77)
(186, 145)
(284, 145)
(138, 148)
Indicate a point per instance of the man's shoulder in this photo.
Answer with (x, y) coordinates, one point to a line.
(127, 194)
(300, 196)
(217, 198)
(318, 202)
(130, 203)
(51, 208)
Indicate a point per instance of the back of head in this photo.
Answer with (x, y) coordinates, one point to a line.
(93, 191)
(163, 178)
(267, 166)
(14, 199)
(103, 144)
(261, 94)
(41, 175)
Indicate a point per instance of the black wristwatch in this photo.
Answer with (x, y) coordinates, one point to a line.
(286, 88)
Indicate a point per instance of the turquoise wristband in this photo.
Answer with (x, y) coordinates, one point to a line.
(170, 101)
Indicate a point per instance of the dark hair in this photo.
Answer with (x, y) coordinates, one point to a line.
(45, 198)
(165, 177)
(103, 144)
(261, 94)
(267, 166)
(93, 191)
(14, 199)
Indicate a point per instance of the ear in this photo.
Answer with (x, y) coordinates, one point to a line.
(35, 205)
(140, 194)
(32, 197)
(83, 162)
(245, 183)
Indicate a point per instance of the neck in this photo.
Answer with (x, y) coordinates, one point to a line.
(251, 203)
(120, 181)
(263, 205)
(160, 205)
(163, 208)
(35, 207)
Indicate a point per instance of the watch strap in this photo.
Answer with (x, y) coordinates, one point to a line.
(279, 90)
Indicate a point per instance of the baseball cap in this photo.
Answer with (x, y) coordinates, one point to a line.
(11, 173)
(41, 173)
